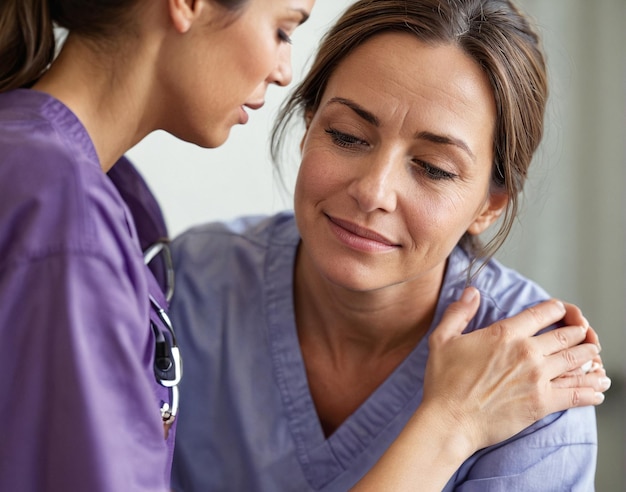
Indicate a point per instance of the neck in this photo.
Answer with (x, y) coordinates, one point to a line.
(351, 342)
(378, 323)
(108, 94)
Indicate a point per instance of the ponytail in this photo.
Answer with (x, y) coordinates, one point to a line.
(27, 43)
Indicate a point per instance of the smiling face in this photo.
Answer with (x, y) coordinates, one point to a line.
(219, 64)
(396, 164)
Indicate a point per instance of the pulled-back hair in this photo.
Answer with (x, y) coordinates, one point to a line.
(495, 34)
(27, 41)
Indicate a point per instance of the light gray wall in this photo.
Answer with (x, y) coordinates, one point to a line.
(571, 234)
(572, 230)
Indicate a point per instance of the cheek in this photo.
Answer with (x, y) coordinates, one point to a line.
(317, 175)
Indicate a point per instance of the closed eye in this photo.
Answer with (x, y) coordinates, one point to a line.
(433, 172)
(344, 139)
(284, 37)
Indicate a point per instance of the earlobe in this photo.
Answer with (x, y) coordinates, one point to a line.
(183, 13)
(496, 204)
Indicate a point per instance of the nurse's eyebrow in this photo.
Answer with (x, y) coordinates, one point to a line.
(362, 112)
(445, 140)
(305, 15)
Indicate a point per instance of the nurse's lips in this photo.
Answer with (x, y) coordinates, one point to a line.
(358, 237)
(243, 116)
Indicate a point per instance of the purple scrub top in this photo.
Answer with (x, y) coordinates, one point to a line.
(80, 403)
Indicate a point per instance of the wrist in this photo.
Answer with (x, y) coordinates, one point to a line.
(451, 437)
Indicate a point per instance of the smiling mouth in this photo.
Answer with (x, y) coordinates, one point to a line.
(360, 237)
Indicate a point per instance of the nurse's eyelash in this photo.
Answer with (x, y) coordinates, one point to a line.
(433, 172)
(284, 37)
(344, 139)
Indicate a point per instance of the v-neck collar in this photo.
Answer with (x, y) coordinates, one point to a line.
(324, 459)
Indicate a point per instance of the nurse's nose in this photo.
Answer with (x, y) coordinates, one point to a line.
(375, 186)
(282, 73)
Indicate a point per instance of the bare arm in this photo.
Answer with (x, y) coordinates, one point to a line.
(484, 387)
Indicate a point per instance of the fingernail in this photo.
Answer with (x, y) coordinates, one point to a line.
(599, 398)
(586, 367)
(595, 366)
(468, 295)
(605, 383)
(561, 306)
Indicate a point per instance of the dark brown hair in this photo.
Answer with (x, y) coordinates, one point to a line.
(494, 33)
(27, 41)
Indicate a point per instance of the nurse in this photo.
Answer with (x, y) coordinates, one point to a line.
(311, 335)
(89, 367)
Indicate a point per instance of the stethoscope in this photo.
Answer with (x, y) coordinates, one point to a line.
(168, 368)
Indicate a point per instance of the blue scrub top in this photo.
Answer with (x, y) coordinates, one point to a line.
(248, 421)
(80, 403)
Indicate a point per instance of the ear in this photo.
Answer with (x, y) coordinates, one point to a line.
(491, 211)
(184, 12)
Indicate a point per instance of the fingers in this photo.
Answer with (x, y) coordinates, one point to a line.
(564, 361)
(574, 316)
(597, 380)
(457, 315)
(536, 318)
(592, 336)
(565, 398)
(559, 339)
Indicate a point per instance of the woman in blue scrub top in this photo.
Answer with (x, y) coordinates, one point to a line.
(88, 353)
(310, 335)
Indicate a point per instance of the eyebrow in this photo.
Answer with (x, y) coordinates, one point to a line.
(305, 15)
(362, 112)
(446, 140)
(428, 136)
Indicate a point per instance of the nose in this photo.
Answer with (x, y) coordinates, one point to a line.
(282, 73)
(374, 188)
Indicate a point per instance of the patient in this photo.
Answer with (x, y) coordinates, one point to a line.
(306, 335)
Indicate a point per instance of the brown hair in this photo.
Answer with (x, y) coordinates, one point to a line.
(495, 33)
(27, 41)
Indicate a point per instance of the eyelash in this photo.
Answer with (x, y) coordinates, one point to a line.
(434, 173)
(284, 37)
(346, 140)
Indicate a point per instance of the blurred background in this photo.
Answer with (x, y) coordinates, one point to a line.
(571, 233)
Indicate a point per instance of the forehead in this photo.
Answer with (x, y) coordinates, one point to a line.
(400, 78)
(280, 6)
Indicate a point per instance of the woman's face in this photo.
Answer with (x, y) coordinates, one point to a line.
(220, 68)
(396, 164)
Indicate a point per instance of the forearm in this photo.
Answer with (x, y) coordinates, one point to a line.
(427, 452)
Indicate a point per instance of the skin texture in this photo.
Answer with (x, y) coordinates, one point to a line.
(380, 206)
(164, 75)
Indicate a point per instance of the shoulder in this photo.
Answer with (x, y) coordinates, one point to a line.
(53, 194)
(246, 237)
(504, 291)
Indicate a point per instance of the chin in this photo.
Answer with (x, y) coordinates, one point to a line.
(208, 140)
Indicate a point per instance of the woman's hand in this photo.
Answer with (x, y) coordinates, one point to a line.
(494, 382)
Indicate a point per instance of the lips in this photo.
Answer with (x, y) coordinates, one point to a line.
(243, 116)
(364, 237)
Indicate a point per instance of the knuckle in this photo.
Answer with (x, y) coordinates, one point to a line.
(575, 398)
(560, 338)
(571, 359)
(537, 314)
